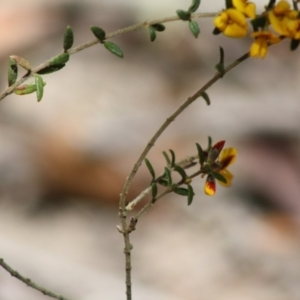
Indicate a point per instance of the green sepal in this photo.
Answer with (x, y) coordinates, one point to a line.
(114, 49)
(205, 96)
(259, 22)
(159, 27)
(194, 6)
(216, 31)
(167, 158)
(200, 154)
(59, 59)
(150, 168)
(190, 195)
(12, 72)
(220, 65)
(168, 176)
(21, 62)
(154, 190)
(68, 38)
(98, 32)
(152, 33)
(162, 181)
(50, 69)
(183, 15)
(294, 44)
(39, 87)
(181, 172)
(229, 4)
(173, 157)
(219, 176)
(181, 191)
(194, 27)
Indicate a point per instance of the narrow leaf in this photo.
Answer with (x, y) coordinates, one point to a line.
(25, 89)
(68, 38)
(172, 158)
(181, 191)
(114, 49)
(194, 27)
(194, 6)
(181, 172)
(154, 190)
(167, 158)
(159, 27)
(220, 65)
(12, 72)
(152, 33)
(168, 176)
(39, 87)
(206, 98)
(150, 168)
(162, 181)
(50, 69)
(219, 177)
(183, 15)
(190, 194)
(209, 143)
(59, 59)
(200, 154)
(99, 33)
(21, 62)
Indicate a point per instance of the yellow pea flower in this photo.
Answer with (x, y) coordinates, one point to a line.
(231, 23)
(263, 39)
(247, 8)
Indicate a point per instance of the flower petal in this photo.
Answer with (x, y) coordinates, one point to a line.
(210, 185)
(228, 157)
(228, 175)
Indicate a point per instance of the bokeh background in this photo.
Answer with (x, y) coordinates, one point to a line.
(63, 161)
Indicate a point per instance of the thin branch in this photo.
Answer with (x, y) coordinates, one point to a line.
(119, 32)
(29, 282)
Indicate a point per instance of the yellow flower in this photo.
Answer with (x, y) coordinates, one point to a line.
(284, 20)
(247, 8)
(219, 166)
(263, 39)
(232, 23)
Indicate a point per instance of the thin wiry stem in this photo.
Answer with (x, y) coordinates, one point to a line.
(29, 282)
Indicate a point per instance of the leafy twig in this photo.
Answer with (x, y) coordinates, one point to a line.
(29, 282)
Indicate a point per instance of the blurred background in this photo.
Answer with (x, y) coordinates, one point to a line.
(63, 161)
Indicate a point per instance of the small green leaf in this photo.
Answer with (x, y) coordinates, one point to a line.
(114, 49)
(68, 38)
(21, 62)
(183, 15)
(99, 33)
(154, 190)
(294, 44)
(200, 154)
(39, 87)
(173, 158)
(168, 176)
(167, 158)
(150, 168)
(50, 69)
(219, 177)
(190, 194)
(194, 6)
(25, 89)
(12, 72)
(152, 33)
(209, 143)
(216, 31)
(181, 191)
(181, 172)
(220, 65)
(162, 181)
(194, 27)
(206, 98)
(59, 59)
(159, 27)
